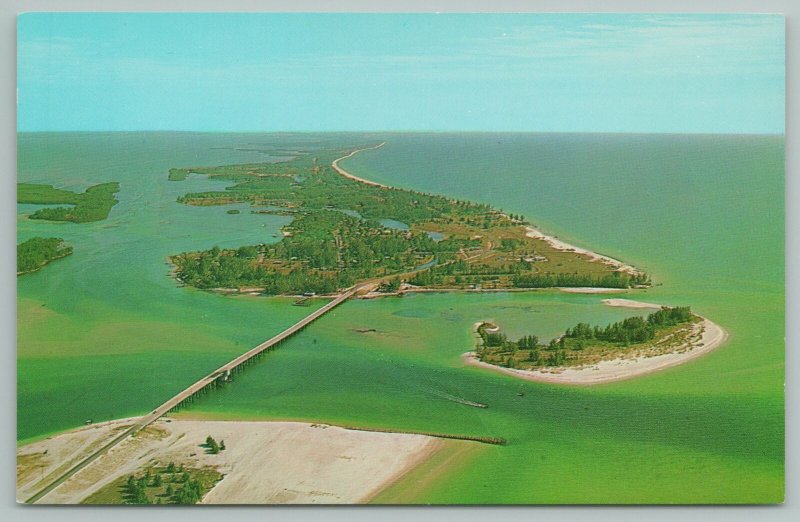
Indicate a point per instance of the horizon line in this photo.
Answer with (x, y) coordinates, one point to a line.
(395, 131)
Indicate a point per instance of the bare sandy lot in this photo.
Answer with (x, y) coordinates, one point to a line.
(263, 463)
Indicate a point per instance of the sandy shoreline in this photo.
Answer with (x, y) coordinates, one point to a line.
(712, 337)
(346, 174)
(531, 231)
(592, 290)
(263, 463)
(561, 245)
(630, 303)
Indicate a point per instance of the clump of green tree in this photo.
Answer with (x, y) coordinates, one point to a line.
(92, 205)
(169, 484)
(571, 347)
(212, 446)
(392, 285)
(633, 329)
(36, 252)
(190, 493)
(610, 280)
(322, 252)
(137, 490)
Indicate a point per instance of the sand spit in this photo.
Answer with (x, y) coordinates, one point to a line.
(629, 303)
(561, 245)
(591, 290)
(263, 463)
(346, 174)
(709, 336)
(410, 289)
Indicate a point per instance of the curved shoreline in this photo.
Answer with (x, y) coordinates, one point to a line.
(630, 303)
(346, 174)
(619, 369)
(351, 466)
(531, 232)
(561, 245)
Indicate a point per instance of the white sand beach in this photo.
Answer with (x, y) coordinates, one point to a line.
(708, 336)
(263, 463)
(629, 303)
(346, 174)
(561, 245)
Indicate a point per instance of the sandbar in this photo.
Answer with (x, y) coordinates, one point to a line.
(263, 463)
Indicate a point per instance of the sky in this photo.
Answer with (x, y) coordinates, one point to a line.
(401, 72)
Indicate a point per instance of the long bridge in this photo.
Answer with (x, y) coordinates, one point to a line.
(221, 374)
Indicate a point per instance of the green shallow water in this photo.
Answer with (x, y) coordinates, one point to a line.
(703, 214)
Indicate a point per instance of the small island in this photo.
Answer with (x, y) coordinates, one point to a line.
(37, 252)
(660, 332)
(347, 231)
(586, 354)
(92, 205)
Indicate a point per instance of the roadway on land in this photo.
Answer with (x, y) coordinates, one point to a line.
(202, 383)
(148, 419)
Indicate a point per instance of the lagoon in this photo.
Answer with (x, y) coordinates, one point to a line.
(702, 214)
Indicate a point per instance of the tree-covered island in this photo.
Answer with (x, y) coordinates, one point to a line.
(92, 205)
(668, 330)
(344, 231)
(36, 252)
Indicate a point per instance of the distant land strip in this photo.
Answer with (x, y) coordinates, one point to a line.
(497, 441)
